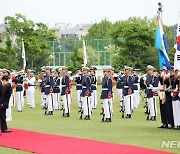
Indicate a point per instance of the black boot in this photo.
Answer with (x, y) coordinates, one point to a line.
(127, 116)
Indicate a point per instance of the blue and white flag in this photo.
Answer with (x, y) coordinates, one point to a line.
(162, 45)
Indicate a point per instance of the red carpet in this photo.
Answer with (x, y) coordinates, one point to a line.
(54, 144)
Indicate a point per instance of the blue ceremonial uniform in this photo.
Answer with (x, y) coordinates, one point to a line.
(78, 80)
(135, 81)
(20, 79)
(56, 88)
(65, 85)
(127, 84)
(86, 85)
(42, 85)
(119, 82)
(106, 87)
(151, 81)
(49, 83)
(93, 82)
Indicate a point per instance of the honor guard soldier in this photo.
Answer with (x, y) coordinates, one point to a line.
(93, 88)
(128, 91)
(86, 93)
(56, 91)
(106, 95)
(166, 107)
(65, 93)
(41, 85)
(136, 88)
(49, 83)
(176, 98)
(151, 88)
(119, 87)
(31, 81)
(78, 80)
(19, 91)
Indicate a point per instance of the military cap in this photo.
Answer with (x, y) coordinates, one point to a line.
(85, 69)
(149, 67)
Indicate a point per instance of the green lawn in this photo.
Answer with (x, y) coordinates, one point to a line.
(136, 131)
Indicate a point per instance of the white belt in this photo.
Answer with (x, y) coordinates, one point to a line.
(126, 86)
(78, 85)
(83, 87)
(19, 84)
(93, 85)
(104, 88)
(47, 86)
(63, 85)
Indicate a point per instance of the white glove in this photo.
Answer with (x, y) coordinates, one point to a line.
(150, 86)
(172, 94)
(178, 74)
(179, 94)
(162, 74)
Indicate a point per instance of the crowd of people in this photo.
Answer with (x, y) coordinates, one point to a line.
(56, 85)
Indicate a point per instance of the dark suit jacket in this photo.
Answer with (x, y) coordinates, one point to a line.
(5, 94)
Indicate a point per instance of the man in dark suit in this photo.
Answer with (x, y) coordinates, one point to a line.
(5, 94)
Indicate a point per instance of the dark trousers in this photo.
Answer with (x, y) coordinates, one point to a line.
(163, 111)
(3, 123)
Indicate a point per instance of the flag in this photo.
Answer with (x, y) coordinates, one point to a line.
(162, 45)
(177, 48)
(84, 54)
(23, 56)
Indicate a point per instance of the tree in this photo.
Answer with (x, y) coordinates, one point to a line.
(100, 30)
(35, 37)
(8, 56)
(76, 60)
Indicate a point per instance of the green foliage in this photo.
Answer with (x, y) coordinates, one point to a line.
(100, 30)
(133, 41)
(8, 56)
(35, 36)
(76, 60)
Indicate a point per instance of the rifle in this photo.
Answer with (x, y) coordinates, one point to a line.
(122, 109)
(45, 108)
(80, 111)
(103, 115)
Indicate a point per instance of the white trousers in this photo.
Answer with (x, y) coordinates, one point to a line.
(176, 112)
(56, 103)
(43, 98)
(152, 106)
(107, 105)
(136, 98)
(49, 100)
(86, 106)
(120, 94)
(93, 99)
(20, 100)
(79, 98)
(128, 101)
(30, 97)
(8, 111)
(66, 103)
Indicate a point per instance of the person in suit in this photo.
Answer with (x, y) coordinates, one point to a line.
(5, 94)
(56, 91)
